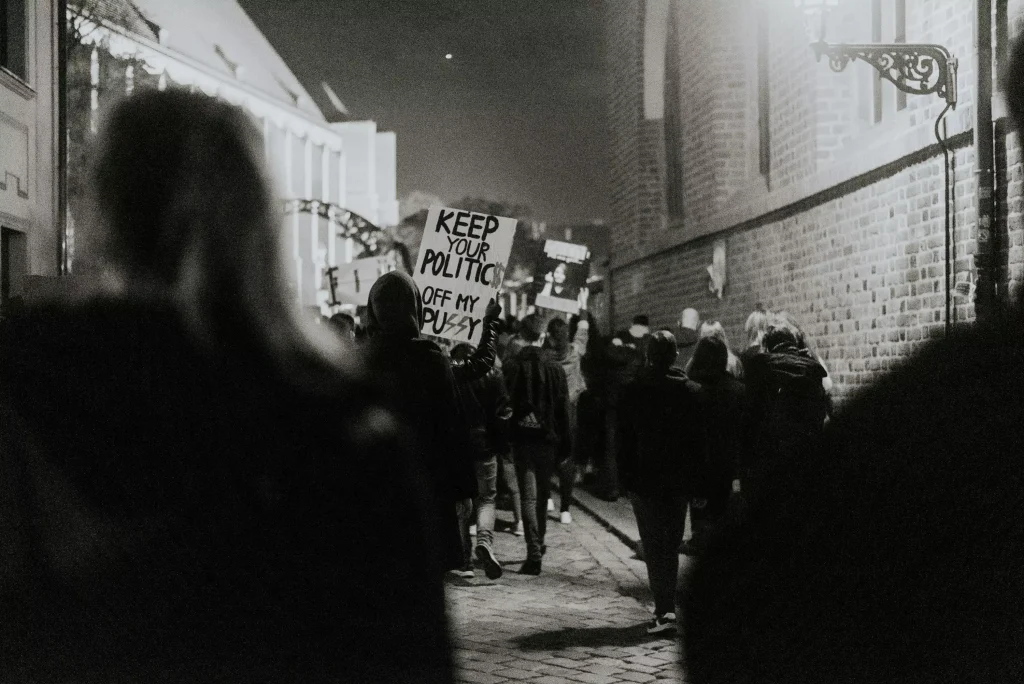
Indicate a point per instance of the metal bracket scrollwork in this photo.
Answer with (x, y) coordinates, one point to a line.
(350, 224)
(920, 69)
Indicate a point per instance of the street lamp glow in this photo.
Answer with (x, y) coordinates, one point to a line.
(448, 56)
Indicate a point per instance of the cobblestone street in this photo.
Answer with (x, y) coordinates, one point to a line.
(583, 620)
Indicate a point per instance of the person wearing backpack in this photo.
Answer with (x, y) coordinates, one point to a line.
(539, 432)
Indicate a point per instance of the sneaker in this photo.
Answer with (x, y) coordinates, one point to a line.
(662, 623)
(530, 567)
(465, 572)
(566, 517)
(492, 568)
(472, 530)
(519, 531)
(551, 506)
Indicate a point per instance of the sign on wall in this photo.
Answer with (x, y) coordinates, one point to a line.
(562, 273)
(461, 266)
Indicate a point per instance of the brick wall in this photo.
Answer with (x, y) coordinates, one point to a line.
(854, 253)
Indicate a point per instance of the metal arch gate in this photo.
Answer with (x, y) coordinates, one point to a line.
(350, 226)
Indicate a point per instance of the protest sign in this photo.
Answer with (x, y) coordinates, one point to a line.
(560, 274)
(460, 268)
(351, 282)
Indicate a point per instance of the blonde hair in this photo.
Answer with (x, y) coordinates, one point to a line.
(180, 209)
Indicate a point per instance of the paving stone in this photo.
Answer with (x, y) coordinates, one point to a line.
(582, 621)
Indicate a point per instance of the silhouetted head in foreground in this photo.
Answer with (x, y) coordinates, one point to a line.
(180, 211)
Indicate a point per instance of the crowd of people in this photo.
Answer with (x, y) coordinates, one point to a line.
(197, 483)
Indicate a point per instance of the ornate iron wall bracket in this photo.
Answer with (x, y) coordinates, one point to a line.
(920, 69)
(350, 224)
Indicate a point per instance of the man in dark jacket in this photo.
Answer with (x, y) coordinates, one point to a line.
(662, 456)
(625, 354)
(540, 432)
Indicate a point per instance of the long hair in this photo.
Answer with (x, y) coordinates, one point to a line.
(180, 209)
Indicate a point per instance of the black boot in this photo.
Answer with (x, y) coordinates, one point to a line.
(530, 567)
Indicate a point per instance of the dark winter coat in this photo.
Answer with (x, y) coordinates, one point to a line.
(663, 446)
(420, 380)
(787, 401)
(534, 372)
(728, 420)
(170, 514)
(486, 404)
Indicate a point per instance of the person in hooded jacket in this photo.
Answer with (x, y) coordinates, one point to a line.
(663, 452)
(196, 482)
(420, 376)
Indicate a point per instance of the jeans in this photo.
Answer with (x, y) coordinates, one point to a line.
(487, 486)
(464, 509)
(567, 469)
(534, 463)
(511, 480)
(661, 519)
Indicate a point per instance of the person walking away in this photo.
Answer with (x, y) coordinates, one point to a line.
(590, 409)
(197, 482)
(567, 354)
(488, 413)
(728, 423)
(539, 430)
(626, 356)
(663, 453)
(788, 403)
(421, 379)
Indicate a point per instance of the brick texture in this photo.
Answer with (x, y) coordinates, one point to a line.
(861, 264)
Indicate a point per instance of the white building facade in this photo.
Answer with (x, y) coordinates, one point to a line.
(29, 145)
(348, 164)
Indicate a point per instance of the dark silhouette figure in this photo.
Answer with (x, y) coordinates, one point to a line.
(197, 484)
(890, 551)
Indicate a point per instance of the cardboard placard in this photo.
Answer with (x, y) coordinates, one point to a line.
(561, 273)
(461, 267)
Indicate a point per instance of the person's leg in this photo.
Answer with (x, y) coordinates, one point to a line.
(544, 457)
(508, 472)
(672, 510)
(652, 536)
(609, 468)
(566, 481)
(464, 510)
(532, 503)
(486, 479)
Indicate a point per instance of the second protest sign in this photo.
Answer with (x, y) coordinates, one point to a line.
(460, 268)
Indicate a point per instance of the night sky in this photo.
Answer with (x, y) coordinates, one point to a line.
(516, 115)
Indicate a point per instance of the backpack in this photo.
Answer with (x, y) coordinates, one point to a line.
(532, 400)
(797, 401)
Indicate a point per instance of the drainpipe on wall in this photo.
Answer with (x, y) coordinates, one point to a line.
(60, 26)
(985, 301)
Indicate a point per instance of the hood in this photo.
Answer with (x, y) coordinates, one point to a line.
(795, 367)
(394, 306)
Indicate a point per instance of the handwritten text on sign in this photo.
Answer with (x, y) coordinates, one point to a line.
(461, 265)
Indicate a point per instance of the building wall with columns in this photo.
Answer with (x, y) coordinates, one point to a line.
(308, 157)
(29, 135)
(826, 188)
